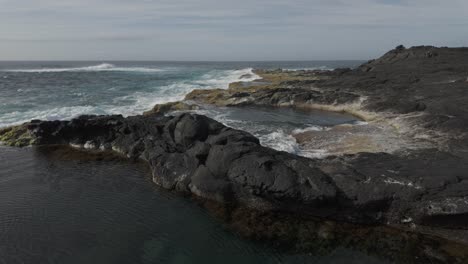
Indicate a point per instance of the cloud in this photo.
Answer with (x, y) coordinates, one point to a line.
(163, 29)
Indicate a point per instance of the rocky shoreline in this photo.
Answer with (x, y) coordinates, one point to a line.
(406, 168)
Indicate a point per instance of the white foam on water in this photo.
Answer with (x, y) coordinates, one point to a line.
(144, 101)
(323, 128)
(281, 141)
(222, 79)
(360, 123)
(95, 68)
(59, 113)
(313, 153)
(310, 128)
(141, 102)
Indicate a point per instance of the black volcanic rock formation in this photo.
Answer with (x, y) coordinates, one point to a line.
(425, 86)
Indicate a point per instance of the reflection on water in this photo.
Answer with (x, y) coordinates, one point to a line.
(64, 209)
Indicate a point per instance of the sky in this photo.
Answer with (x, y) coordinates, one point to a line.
(225, 30)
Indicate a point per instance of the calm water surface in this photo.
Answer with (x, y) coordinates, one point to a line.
(60, 210)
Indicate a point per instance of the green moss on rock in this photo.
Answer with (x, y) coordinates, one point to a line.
(16, 136)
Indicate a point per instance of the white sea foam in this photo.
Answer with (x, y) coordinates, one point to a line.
(142, 101)
(222, 79)
(177, 91)
(310, 128)
(313, 153)
(95, 68)
(323, 128)
(280, 140)
(58, 113)
(360, 123)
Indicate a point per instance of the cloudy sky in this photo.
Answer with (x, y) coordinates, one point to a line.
(224, 30)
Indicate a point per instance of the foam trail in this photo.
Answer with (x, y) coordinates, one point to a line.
(96, 68)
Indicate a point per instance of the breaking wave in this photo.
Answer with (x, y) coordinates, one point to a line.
(222, 79)
(144, 101)
(95, 68)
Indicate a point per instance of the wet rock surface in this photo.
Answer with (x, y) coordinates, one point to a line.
(420, 91)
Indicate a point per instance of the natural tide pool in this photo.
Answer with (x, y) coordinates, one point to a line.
(67, 208)
(275, 127)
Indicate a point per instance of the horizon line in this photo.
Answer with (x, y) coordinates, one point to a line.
(112, 60)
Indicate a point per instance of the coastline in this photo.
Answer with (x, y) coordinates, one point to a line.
(408, 188)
